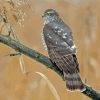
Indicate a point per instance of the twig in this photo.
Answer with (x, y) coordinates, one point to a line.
(44, 60)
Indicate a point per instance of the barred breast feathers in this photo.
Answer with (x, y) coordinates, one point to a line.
(43, 41)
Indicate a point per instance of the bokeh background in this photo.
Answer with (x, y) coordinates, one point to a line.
(25, 18)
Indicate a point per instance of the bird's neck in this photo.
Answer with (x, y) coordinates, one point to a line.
(50, 19)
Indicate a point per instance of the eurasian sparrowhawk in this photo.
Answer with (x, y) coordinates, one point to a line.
(61, 48)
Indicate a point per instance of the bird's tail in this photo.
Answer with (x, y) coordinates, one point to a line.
(74, 82)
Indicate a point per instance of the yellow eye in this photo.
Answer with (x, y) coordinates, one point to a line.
(49, 14)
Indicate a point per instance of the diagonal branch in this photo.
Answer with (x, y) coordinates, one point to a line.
(44, 60)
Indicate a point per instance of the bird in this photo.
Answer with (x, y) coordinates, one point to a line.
(58, 41)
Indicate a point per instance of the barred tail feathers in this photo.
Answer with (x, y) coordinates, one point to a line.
(74, 82)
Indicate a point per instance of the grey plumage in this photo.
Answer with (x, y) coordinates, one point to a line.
(61, 48)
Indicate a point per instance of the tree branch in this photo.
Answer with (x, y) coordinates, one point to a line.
(44, 60)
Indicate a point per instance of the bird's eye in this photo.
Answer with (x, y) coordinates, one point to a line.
(49, 14)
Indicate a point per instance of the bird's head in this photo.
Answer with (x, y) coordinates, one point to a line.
(50, 15)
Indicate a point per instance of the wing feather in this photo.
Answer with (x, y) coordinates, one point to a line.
(62, 55)
(67, 63)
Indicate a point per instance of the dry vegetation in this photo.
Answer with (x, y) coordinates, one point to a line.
(23, 18)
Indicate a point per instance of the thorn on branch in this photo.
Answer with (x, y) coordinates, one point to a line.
(14, 54)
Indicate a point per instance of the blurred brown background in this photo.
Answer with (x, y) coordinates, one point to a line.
(25, 17)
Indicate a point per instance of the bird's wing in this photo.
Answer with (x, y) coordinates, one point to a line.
(60, 36)
(59, 51)
(67, 63)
